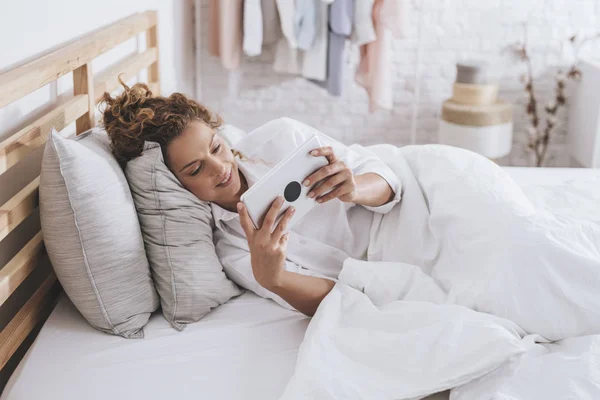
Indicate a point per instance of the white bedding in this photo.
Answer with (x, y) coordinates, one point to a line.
(246, 349)
(570, 192)
(467, 283)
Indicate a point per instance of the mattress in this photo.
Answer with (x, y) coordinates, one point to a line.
(245, 349)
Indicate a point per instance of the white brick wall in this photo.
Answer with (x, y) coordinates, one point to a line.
(451, 30)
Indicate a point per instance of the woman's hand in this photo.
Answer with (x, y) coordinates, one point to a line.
(336, 178)
(267, 256)
(267, 245)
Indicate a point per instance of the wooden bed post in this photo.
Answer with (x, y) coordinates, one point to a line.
(83, 83)
(153, 71)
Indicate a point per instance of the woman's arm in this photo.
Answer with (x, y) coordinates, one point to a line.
(372, 190)
(267, 257)
(303, 292)
(338, 181)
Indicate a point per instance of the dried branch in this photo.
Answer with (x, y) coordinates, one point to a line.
(539, 139)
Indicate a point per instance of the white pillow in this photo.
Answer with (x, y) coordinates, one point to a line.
(231, 134)
(92, 234)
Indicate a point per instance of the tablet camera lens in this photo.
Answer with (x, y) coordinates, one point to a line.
(292, 191)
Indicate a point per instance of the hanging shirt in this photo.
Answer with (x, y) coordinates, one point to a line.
(226, 33)
(270, 22)
(363, 31)
(253, 27)
(213, 32)
(314, 64)
(374, 71)
(306, 23)
(321, 241)
(288, 60)
(341, 18)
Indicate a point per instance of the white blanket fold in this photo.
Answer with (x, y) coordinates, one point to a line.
(466, 283)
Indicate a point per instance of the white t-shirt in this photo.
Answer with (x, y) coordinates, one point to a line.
(321, 241)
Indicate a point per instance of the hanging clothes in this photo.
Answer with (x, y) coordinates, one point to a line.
(363, 31)
(374, 70)
(341, 18)
(253, 27)
(314, 64)
(213, 33)
(270, 22)
(226, 32)
(306, 23)
(305, 20)
(288, 60)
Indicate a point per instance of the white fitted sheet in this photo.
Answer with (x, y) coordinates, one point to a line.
(245, 349)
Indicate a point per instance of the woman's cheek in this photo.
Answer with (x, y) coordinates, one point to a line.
(195, 187)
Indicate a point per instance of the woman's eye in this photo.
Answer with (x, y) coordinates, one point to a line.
(216, 149)
(196, 170)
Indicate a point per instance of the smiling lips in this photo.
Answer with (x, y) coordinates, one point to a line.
(226, 180)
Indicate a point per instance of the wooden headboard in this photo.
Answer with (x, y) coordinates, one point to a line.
(27, 316)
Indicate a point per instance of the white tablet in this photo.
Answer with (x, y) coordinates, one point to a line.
(285, 179)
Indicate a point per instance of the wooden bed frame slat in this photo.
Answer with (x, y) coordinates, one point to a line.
(27, 78)
(17, 146)
(152, 42)
(26, 319)
(83, 83)
(154, 88)
(79, 108)
(108, 80)
(20, 267)
(15, 210)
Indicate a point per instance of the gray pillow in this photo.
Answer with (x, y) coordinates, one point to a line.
(177, 230)
(93, 236)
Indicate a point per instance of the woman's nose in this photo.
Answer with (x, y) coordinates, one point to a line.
(217, 167)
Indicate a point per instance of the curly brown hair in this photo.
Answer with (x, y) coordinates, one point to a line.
(135, 116)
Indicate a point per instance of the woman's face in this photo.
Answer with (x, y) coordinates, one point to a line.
(204, 164)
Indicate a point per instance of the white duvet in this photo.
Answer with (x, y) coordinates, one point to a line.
(468, 286)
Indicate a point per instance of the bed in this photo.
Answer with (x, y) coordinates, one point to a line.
(246, 348)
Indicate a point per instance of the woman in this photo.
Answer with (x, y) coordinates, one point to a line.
(296, 269)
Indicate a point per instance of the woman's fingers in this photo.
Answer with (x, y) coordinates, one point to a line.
(326, 151)
(330, 183)
(324, 172)
(332, 159)
(245, 220)
(284, 241)
(340, 180)
(283, 222)
(341, 190)
(269, 221)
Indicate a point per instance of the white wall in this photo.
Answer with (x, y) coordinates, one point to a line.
(451, 30)
(29, 29)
